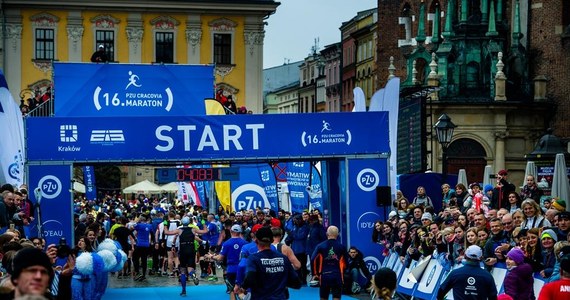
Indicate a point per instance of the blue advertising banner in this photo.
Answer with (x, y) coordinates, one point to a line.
(364, 176)
(316, 190)
(249, 191)
(298, 179)
(55, 199)
(269, 184)
(131, 90)
(89, 180)
(207, 138)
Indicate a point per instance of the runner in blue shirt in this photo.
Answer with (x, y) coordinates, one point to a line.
(231, 250)
(140, 255)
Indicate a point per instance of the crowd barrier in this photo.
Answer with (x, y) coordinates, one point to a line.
(422, 279)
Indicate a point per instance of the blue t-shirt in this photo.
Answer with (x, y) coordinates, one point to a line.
(143, 234)
(268, 273)
(231, 250)
(213, 233)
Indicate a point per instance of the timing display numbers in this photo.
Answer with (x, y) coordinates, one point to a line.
(205, 174)
(166, 175)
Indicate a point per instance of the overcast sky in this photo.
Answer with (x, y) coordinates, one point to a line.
(292, 30)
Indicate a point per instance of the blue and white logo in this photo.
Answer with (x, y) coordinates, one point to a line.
(50, 186)
(249, 196)
(367, 180)
(68, 133)
(107, 136)
(366, 221)
(372, 263)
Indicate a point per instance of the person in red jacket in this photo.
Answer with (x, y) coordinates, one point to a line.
(559, 289)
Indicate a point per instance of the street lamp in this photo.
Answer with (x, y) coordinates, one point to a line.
(444, 130)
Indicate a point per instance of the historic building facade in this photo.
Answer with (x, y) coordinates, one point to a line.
(470, 60)
(225, 33)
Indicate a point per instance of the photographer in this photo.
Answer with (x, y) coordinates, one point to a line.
(502, 190)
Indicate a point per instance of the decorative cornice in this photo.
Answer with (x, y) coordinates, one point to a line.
(223, 70)
(14, 33)
(43, 65)
(104, 21)
(74, 34)
(227, 88)
(44, 20)
(193, 36)
(222, 24)
(253, 38)
(134, 36)
(164, 22)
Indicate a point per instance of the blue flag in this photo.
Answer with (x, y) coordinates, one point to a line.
(90, 184)
(298, 180)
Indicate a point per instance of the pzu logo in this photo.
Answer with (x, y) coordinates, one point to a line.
(50, 186)
(372, 263)
(367, 179)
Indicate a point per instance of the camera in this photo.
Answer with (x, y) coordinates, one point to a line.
(63, 250)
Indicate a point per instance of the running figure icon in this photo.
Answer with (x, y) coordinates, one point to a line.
(326, 126)
(133, 80)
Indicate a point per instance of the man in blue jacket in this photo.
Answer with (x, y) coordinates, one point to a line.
(470, 282)
(269, 272)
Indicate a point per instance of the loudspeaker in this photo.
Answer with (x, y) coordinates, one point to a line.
(383, 196)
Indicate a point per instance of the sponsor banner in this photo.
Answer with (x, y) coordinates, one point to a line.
(131, 90)
(207, 138)
(249, 191)
(89, 180)
(269, 184)
(12, 154)
(316, 191)
(53, 185)
(364, 175)
(298, 182)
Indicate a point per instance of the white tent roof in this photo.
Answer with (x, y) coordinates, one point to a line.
(170, 187)
(79, 187)
(143, 187)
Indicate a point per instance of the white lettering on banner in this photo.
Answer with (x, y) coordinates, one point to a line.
(366, 220)
(231, 133)
(68, 149)
(143, 103)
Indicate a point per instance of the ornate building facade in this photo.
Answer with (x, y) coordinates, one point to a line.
(225, 33)
(470, 60)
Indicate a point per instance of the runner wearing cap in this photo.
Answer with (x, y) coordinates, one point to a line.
(231, 250)
(469, 282)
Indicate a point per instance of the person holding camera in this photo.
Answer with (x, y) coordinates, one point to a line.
(502, 190)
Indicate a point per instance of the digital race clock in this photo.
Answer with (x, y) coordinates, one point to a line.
(166, 175)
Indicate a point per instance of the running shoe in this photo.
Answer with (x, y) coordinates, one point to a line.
(195, 278)
(172, 275)
(138, 277)
(183, 294)
(143, 278)
(213, 278)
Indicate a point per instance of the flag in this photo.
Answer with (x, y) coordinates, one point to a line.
(12, 155)
(359, 100)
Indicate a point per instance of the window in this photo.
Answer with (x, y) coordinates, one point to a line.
(107, 39)
(222, 48)
(164, 47)
(45, 44)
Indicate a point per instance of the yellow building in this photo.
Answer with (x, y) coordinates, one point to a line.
(228, 34)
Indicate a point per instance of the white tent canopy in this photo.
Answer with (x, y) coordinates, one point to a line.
(170, 187)
(143, 187)
(79, 187)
